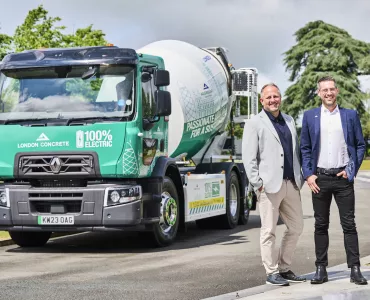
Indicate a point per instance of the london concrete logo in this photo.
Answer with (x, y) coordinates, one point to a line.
(43, 141)
(42, 137)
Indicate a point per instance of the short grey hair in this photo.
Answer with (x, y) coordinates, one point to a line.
(326, 78)
(269, 84)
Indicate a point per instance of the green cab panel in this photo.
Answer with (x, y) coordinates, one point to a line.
(105, 139)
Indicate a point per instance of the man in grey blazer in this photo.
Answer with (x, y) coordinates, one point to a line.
(271, 156)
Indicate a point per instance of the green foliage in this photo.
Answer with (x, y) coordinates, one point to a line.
(238, 131)
(39, 30)
(5, 42)
(366, 127)
(323, 49)
(365, 65)
(146, 97)
(244, 105)
(10, 96)
(84, 37)
(87, 89)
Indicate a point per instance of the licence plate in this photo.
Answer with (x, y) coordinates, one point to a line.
(55, 220)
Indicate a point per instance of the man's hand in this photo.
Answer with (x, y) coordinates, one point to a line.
(260, 189)
(343, 173)
(311, 181)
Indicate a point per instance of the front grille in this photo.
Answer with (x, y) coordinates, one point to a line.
(46, 165)
(45, 207)
(55, 202)
(59, 183)
(55, 196)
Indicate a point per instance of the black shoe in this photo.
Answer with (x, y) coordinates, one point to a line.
(276, 279)
(356, 276)
(321, 275)
(291, 277)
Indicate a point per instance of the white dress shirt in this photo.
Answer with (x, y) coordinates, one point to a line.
(333, 147)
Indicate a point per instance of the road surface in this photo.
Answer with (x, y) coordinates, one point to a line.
(201, 264)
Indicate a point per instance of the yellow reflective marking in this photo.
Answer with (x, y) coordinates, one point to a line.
(206, 202)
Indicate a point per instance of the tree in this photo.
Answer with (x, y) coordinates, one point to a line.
(41, 31)
(244, 105)
(85, 37)
(365, 65)
(38, 31)
(366, 129)
(5, 42)
(323, 49)
(238, 131)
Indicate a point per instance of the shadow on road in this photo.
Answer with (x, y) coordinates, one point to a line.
(131, 242)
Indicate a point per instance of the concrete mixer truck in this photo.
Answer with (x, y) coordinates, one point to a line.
(108, 138)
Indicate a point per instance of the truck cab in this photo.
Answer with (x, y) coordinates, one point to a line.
(80, 124)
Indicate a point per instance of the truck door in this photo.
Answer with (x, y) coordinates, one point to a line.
(155, 132)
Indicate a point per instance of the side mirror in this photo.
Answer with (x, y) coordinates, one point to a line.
(145, 77)
(163, 101)
(161, 78)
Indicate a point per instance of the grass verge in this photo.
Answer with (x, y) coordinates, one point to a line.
(365, 165)
(4, 235)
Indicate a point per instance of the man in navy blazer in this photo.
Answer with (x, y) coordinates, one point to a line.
(332, 149)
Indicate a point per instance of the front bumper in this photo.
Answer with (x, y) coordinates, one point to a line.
(85, 204)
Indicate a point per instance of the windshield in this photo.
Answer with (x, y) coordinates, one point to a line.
(67, 92)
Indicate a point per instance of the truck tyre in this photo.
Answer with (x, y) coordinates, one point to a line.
(164, 232)
(230, 219)
(30, 239)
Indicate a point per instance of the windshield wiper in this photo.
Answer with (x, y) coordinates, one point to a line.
(28, 121)
(96, 119)
(17, 121)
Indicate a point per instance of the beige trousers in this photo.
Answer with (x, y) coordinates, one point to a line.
(286, 203)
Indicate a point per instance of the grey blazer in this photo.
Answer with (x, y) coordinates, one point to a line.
(263, 154)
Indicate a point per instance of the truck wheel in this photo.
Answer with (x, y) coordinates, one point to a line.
(30, 239)
(164, 232)
(230, 220)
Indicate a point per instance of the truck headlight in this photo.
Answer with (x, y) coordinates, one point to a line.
(122, 194)
(3, 198)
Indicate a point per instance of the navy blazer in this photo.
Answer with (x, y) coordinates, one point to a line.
(310, 141)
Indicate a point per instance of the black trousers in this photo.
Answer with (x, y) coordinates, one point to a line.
(344, 196)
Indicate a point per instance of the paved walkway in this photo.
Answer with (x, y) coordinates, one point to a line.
(338, 287)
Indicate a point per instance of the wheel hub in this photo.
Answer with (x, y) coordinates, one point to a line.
(168, 216)
(233, 200)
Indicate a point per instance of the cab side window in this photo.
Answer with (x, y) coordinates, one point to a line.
(149, 105)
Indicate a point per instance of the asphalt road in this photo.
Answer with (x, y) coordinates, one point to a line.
(202, 263)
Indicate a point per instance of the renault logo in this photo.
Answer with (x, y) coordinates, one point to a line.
(55, 165)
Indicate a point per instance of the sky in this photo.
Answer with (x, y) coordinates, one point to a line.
(256, 32)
